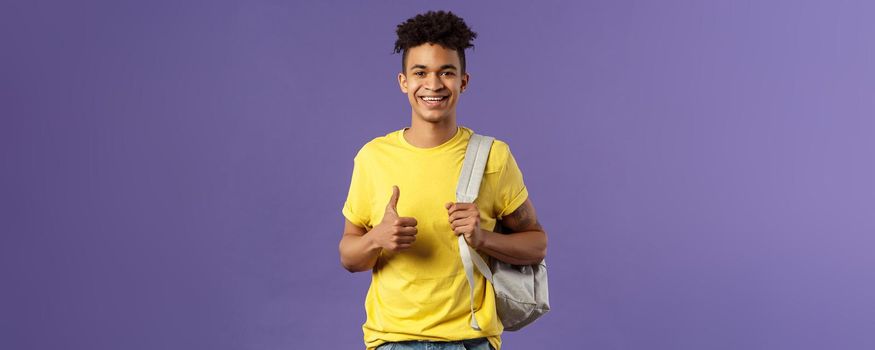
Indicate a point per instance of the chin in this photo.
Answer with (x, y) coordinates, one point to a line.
(434, 119)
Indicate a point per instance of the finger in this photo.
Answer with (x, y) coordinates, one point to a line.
(393, 201)
(448, 205)
(462, 215)
(407, 231)
(406, 221)
(405, 239)
(465, 222)
(463, 229)
(461, 207)
(465, 206)
(456, 224)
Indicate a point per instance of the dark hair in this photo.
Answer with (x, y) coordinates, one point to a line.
(442, 28)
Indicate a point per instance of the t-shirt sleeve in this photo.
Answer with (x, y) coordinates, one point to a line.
(511, 190)
(356, 209)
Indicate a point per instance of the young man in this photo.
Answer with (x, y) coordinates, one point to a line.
(401, 219)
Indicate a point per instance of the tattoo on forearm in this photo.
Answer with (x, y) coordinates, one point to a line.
(522, 219)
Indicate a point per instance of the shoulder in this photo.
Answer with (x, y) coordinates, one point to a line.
(500, 147)
(499, 155)
(376, 145)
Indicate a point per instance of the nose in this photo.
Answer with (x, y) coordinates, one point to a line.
(434, 83)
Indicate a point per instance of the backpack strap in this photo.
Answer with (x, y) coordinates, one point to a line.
(466, 192)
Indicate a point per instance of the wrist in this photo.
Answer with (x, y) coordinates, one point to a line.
(371, 244)
(485, 239)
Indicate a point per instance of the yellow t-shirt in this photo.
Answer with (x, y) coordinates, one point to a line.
(422, 293)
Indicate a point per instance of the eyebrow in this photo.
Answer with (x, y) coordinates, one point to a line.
(446, 66)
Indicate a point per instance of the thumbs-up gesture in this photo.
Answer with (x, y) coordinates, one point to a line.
(394, 233)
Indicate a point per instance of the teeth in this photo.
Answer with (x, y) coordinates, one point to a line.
(427, 98)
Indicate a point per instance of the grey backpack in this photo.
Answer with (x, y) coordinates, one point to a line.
(520, 291)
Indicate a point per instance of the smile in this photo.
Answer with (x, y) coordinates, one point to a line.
(433, 100)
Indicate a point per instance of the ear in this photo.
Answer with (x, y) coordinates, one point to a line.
(402, 82)
(465, 79)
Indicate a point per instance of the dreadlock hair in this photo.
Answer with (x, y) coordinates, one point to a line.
(442, 28)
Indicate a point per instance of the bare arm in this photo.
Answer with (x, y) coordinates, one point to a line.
(358, 252)
(526, 243)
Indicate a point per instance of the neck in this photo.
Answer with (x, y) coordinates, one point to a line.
(424, 134)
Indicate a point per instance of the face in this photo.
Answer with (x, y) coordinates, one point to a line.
(433, 81)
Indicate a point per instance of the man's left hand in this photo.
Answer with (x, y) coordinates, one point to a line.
(465, 220)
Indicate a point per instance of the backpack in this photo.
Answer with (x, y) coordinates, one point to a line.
(520, 290)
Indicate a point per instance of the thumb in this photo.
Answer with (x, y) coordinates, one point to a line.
(393, 201)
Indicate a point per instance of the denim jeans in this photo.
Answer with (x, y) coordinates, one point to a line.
(470, 344)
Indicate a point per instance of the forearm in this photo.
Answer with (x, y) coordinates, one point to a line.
(518, 248)
(358, 253)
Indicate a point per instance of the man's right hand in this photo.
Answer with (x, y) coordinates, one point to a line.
(394, 233)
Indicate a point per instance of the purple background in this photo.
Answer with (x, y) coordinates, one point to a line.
(173, 172)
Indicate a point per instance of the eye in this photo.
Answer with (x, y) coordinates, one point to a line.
(419, 74)
(448, 74)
